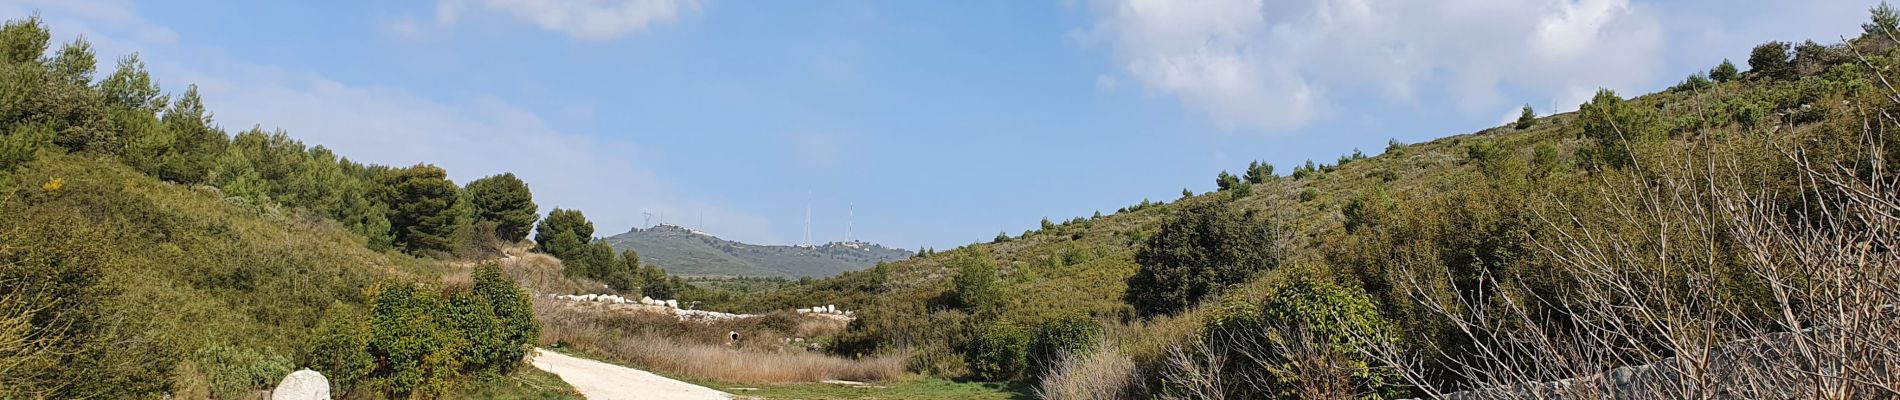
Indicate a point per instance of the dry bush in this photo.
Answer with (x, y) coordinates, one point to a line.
(661, 343)
(542, 274)
(1690, 282)
(1100, 374)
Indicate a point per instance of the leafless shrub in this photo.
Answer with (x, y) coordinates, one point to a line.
(1688, 282)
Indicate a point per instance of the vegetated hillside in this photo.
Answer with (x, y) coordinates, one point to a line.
(1410, 251)
(683, 251)
(145, 253)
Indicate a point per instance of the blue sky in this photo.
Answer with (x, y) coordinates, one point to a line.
(935, 123)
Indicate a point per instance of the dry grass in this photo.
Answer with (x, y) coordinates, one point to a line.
(700, 350)
(1104, 374)
(539, 273)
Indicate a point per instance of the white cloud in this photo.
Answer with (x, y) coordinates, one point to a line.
(581, 19)
(471, 136)
(1270, 65)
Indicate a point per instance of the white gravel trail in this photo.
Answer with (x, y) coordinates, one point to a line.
(603, 381)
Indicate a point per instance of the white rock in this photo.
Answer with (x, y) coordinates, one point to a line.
(673, 303)
(302, 385)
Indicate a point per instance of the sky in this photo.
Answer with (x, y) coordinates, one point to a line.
(906, 123)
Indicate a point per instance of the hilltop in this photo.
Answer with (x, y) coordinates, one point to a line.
(687, 252)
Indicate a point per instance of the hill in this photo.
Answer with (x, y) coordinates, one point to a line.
(1449, 251)
(146, 253)
(687, 252)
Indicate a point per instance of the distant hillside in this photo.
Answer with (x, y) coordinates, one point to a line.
(683, 251)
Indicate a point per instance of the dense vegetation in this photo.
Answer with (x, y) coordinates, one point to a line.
(1406, 273)
(145, 252)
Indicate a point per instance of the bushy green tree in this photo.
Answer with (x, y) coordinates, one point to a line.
(423, 213)
(1198, 252)
(75, 63)
(1724, 72)
(24, 40)
(1066, 335)
(1329, 322)
(340, 349)
(1526, 118)
(999, 352)
(1696, 81)
(1881, 21)
(1258, 172)
(196, 143)
(977, 287)
(1614, 129)
(235, 370)
(561, 222)
(1770, 61)
(416, 351)
(1226, 181)
(506, 201)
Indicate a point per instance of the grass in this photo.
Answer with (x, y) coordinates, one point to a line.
(525, 383)
(914, 388)
(908, 386)
(662, 344)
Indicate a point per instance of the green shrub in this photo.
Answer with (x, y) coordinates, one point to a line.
(1198, 252)
(235, 371)
(976, 288)
(998, 352)
(1305, 327)
(1724, 72)
(514, 311)
(340, 350)
(1070, 334)
(416, 351)
(1770, 61)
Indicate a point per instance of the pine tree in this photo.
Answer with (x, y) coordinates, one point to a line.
(1258, 172)
(559, 222)
(1226, 181)
(422, 212)
(1881, 22)
(506, 201)
(1527, 118)
(1724, 72)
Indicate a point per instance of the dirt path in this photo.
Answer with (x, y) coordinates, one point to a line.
(603, 381)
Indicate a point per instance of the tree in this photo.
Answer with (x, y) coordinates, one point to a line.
(506, 201)
(1882, 20)
(1258, 172)
(75, 63)
(976, 288)
(513, 309)
(415, 351)
(1526, 118)
(1771, 61)
(1197, 253)
(422, 211)
(1614, 128)
(1226, 181)
(562, 222)
(195, 143)
(22, 41)
(999, 352)
(1724, 72)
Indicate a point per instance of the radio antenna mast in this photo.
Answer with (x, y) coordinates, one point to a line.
(807, 219)
(851, 223)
